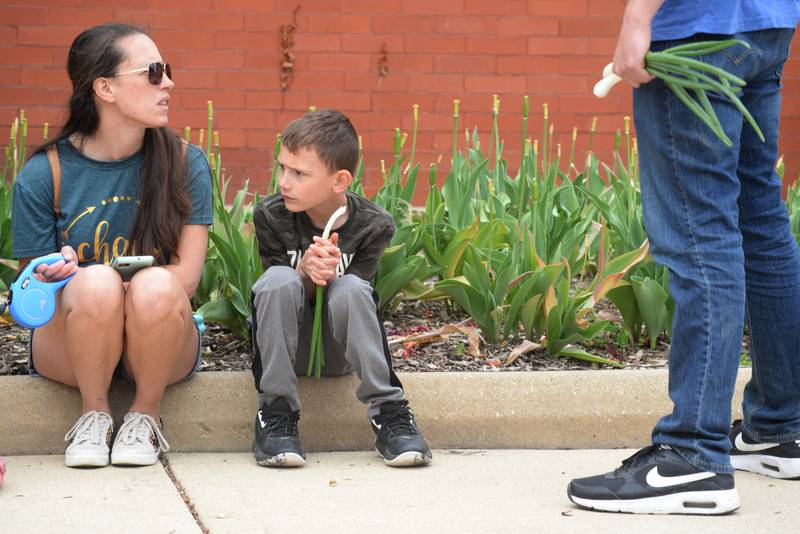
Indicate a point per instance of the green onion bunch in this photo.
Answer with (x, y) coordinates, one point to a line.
(691, 80)
(316, 359)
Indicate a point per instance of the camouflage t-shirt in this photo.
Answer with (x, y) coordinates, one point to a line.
(283, 236)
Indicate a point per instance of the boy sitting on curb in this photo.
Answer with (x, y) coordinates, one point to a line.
(317, 160)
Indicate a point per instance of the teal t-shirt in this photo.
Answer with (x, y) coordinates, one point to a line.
(677, 19)
(98, 204)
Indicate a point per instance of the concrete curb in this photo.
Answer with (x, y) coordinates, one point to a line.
(215, 410)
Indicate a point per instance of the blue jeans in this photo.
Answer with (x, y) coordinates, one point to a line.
(715, 218)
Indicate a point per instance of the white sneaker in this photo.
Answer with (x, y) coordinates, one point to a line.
(88, 440)
(139, 441)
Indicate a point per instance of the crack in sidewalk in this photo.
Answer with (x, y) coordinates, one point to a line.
(184, 494)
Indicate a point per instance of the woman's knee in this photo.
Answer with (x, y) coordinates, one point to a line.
(154, 295)
(96, 291)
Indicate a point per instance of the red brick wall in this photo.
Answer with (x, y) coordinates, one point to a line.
(228, 51)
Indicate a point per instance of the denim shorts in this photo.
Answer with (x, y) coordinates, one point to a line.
(120, 370)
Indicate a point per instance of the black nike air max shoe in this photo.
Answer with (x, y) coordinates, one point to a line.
(778, 460)
(656, 480)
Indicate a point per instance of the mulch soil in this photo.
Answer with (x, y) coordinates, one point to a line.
(420, 341)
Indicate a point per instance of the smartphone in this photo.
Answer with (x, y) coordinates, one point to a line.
(127, 266)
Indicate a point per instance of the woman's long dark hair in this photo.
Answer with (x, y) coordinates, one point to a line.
(164, 203)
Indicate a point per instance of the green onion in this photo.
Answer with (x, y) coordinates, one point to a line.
(316, 359)
(683, 74)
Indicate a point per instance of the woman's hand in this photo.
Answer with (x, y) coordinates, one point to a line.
(60, 269)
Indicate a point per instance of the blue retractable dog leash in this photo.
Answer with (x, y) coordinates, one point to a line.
(32, 303)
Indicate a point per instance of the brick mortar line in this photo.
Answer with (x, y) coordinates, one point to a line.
(184, 494)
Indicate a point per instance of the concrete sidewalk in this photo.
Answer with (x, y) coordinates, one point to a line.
(463, 491)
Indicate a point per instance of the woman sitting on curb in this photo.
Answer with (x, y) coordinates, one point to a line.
(129, 186)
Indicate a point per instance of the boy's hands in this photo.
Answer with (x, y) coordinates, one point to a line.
(320, 260)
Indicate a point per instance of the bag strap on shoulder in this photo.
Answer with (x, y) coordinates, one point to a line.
(55, 167)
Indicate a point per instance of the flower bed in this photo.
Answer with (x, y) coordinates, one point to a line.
(547, 263)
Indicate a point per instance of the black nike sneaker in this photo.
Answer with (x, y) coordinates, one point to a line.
(656, 480)
(398, 440)
(276, 443)
(778, 460)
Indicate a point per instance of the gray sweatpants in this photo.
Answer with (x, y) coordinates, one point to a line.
(353, 338)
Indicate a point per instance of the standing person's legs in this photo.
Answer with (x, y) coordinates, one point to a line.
(772, 264)
(690, 194)
(701, 382)
(690, 190)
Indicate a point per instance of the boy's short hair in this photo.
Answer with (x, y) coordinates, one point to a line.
(329, 133)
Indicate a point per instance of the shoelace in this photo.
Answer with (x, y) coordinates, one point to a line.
(400, 421)
(138, 427)
(282, 424)
(640, 456)
(87, 428)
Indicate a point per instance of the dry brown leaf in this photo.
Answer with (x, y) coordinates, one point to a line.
(519, 350)
(473, 338)
(420, 339)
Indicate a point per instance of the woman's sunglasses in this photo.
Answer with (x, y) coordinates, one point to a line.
(155, 72)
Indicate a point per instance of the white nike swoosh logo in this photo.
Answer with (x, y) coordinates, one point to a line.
(657, 481)
(376, 424)
(740, 444)
(260, 420)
